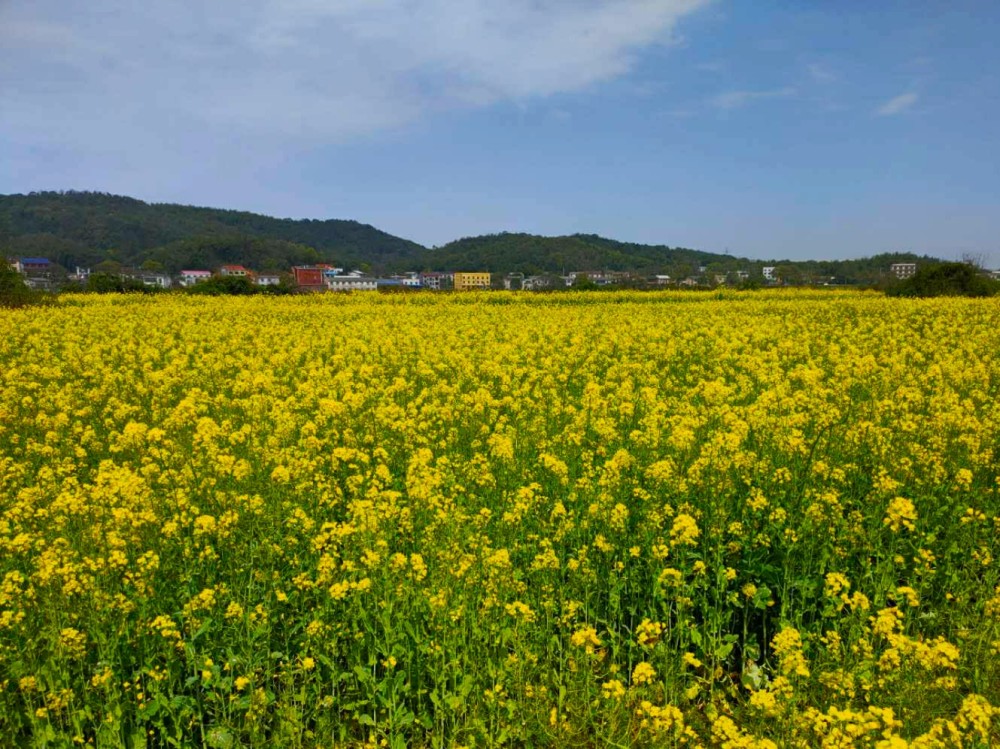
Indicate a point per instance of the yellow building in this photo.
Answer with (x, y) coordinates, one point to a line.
(470, 281)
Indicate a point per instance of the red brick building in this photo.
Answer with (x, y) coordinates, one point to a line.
(308, 277)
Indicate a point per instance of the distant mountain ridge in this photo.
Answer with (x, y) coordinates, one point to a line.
(85, 228)
(82, 228)
(532, 254)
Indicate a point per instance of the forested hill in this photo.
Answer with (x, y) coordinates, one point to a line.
(531, 254)
(85, 228)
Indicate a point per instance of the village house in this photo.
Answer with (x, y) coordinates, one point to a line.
(235, 271)
(35, 265)
(152, 279)
(437, 281)
(191, 277)
(471, 281)
(352, 283)
(267, 279)
(903, 270)
(80, 275)
(155, 280)
(308, 277)
(536, 283)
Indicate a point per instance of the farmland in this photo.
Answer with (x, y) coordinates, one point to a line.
(734, 520)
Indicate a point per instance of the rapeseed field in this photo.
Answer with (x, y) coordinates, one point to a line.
(629, 520)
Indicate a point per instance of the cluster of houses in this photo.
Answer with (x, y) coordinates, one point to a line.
(40, 273)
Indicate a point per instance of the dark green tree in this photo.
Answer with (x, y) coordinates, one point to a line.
(111, 283)
(946, 279)
(14, 292)
(225, 285)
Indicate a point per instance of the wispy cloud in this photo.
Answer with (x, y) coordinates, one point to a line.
(897, 104)
(821, 73)
(712, 66)
(736, 99)
(326, 69)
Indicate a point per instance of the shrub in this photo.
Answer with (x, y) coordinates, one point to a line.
(112, 283)
(946, 279)
(14, 292)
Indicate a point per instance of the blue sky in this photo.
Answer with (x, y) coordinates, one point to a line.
(795, 129)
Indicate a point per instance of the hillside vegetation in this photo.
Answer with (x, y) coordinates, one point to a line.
(84, 228)
(532, 254)
(87, 228)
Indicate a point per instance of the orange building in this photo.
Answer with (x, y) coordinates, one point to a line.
(471, 281)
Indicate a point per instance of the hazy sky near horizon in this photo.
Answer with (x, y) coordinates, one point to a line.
(770, 129)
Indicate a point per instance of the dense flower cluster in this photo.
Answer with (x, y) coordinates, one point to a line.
(747, 520)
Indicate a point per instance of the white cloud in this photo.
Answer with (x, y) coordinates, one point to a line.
(897, 104)
(319, 69)
(737, 99)
(821, 73)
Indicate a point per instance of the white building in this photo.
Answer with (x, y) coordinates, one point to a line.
(903, 270)
(81, 275)
(536, 283)
(267, 279)
(191, 277)
(768, 271)
(437, 281)
(350, 282)
(157, 280)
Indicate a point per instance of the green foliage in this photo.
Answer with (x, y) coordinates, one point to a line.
(946, 279)
(238, 286)
(88, 228)
(535, 255)
(111, 283)
(225, 285)
(584, 283)
(83, 228)
(209, 252)
(14, 292)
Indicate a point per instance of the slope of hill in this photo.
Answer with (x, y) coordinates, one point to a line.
(528, 253)
(84, 228)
